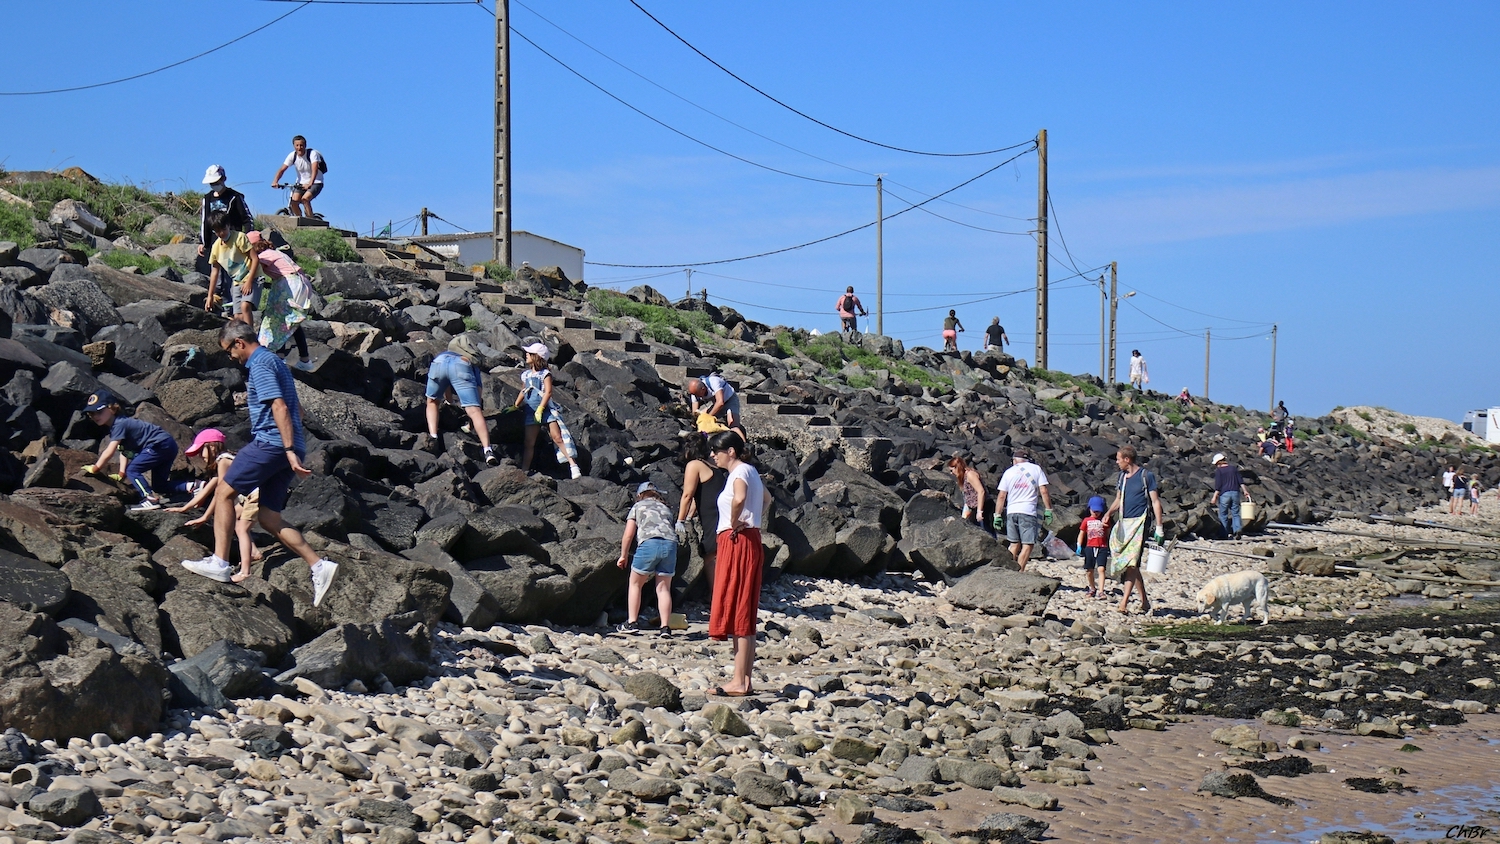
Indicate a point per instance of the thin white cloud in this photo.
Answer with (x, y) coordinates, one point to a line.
(1180, 214)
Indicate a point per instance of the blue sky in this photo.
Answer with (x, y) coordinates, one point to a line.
(1330, 167)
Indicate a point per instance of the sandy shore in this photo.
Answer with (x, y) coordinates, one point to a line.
(1145, 790)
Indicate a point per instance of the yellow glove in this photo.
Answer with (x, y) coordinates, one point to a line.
(117, 477)
(89, 469)
(539, 412)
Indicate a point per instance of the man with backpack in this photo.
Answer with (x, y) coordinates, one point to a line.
(310, 167)
(847, 306)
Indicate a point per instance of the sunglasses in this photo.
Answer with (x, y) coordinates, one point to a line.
(231, 344)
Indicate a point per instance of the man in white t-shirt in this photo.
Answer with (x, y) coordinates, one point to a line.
(715, 396)
(1020, 487)
(310, 169)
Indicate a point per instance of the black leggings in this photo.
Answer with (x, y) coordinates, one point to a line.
(301, 340)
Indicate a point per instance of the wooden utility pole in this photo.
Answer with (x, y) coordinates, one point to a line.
(879, 255)
(1114, 306)
(1206, 341)
(1273, 367)
(1041, 250)
(1101, 326)
(501, 229)
(425, 215)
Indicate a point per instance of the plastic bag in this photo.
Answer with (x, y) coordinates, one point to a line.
(1056, 548)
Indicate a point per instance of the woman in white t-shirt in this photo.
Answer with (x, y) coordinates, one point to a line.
(741, 557)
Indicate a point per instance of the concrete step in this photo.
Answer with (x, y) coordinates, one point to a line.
(364, 242)
(444, 276)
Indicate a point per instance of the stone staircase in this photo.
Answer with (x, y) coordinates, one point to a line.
(379, 253)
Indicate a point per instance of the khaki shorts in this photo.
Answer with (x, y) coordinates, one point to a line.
(249, 506)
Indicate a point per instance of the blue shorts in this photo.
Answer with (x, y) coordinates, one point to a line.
(655, 557)
(1023, 528)
(1460, 493)
(263, 466)
(456, 374)
(1095, 558)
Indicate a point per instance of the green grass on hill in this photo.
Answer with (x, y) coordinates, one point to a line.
(660, 322)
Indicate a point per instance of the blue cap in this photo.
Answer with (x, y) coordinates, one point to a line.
(99, 401)
(1097, 504)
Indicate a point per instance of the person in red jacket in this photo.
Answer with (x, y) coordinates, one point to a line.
(1093, 546)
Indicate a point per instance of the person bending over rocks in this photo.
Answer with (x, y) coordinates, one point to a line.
(208, 446)
(268, 463)
(736, 598)
(649, 527)
(154, 448)
(725, 404)
(455, 373)
(702, 482)
(536, 395)
(971, 485)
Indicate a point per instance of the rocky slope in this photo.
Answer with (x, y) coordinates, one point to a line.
(851, 437)
(1387, 424)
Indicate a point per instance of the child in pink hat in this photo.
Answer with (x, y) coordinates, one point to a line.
(209, 447)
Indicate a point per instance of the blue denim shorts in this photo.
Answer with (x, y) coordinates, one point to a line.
(452, 372)
(655, 557)
(258, 465)
(1023, 528)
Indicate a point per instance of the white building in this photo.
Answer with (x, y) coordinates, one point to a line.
(525, 248)
(1480, 423)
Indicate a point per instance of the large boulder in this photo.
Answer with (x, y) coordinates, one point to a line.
(370, 586)
(525, 589)
(352, 281)
(198, 612)
(31, 584)
(397, 648)
(1000, 591)
(811, 536)
(469, 604)
(597, 582)
(58, 683)
(951, 547)
(80, 294)
(348, 417)
(99, 596)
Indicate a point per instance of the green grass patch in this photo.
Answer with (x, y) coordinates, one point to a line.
(15, 224)
(860, 382)
(124, 206)
(1061, 407)
(120, 259)
(1365, 416)
(661, 323)
(1409, 427)
(326, 243)
(1173, 415)
(498, 271)
(1346, 430)
(471, 324)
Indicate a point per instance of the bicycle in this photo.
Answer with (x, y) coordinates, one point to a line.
(286, 209)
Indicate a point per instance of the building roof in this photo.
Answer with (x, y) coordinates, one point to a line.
(457, 236)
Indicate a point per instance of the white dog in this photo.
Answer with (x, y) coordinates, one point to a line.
(1246, 588)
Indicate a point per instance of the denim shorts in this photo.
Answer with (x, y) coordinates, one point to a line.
(655, 557)
(452, 372)
(1024, 528)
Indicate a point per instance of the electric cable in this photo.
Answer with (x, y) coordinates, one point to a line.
(821, 239)
(805, 115)
(956, 222)
(303, 4)
(1199, 313)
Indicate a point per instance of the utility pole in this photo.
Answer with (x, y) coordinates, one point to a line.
(501, 228)
(424, 222)
(1041, 250)
(1273, 366)
(689, 272)
(1206, 341)
(879, 254)
(1114, 306)
(1101, 326)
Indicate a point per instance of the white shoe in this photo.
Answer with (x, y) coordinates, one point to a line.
(322, 577)
(577, 473)
(145, 506)
(489, 456)
(211, 567)
(304, 365)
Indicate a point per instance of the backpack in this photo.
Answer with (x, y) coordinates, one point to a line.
(322, 162)
(846, 304)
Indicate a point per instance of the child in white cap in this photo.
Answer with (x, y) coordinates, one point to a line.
(536, 395)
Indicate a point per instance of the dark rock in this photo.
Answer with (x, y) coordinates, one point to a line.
(398, 648)
(192, 688)
(951, 547)
(1028, 829)
(386, 812)
(1003, 592)
(352, 281)
(234, 670)
(57, 683)
(189, 399)
(199, 612)
(654, 690)
(469, 604)
(66, 806)
(32, 585)
(759, 788)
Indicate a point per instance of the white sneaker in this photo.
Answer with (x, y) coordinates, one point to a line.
(211, 567)
(322, 577)
(489, 456)
(304, 365)
(576, 473)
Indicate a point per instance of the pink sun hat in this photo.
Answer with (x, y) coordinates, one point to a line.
(205, 436)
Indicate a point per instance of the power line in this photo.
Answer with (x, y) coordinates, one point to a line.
(674, 130)
(803, 114)
(1199, 313)
(1159, 322)
(956, 222)
(303, 4)
(701, 108)
(1032, 145)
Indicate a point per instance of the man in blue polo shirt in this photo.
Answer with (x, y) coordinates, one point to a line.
(269, 462)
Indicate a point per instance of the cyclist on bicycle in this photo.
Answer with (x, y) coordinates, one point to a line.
(310, 169)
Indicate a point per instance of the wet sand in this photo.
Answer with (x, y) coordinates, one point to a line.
(1145, 790)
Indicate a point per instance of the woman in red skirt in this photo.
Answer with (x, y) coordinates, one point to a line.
(736, 596)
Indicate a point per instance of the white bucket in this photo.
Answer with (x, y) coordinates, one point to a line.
(1247, 512)
(1156, 560)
